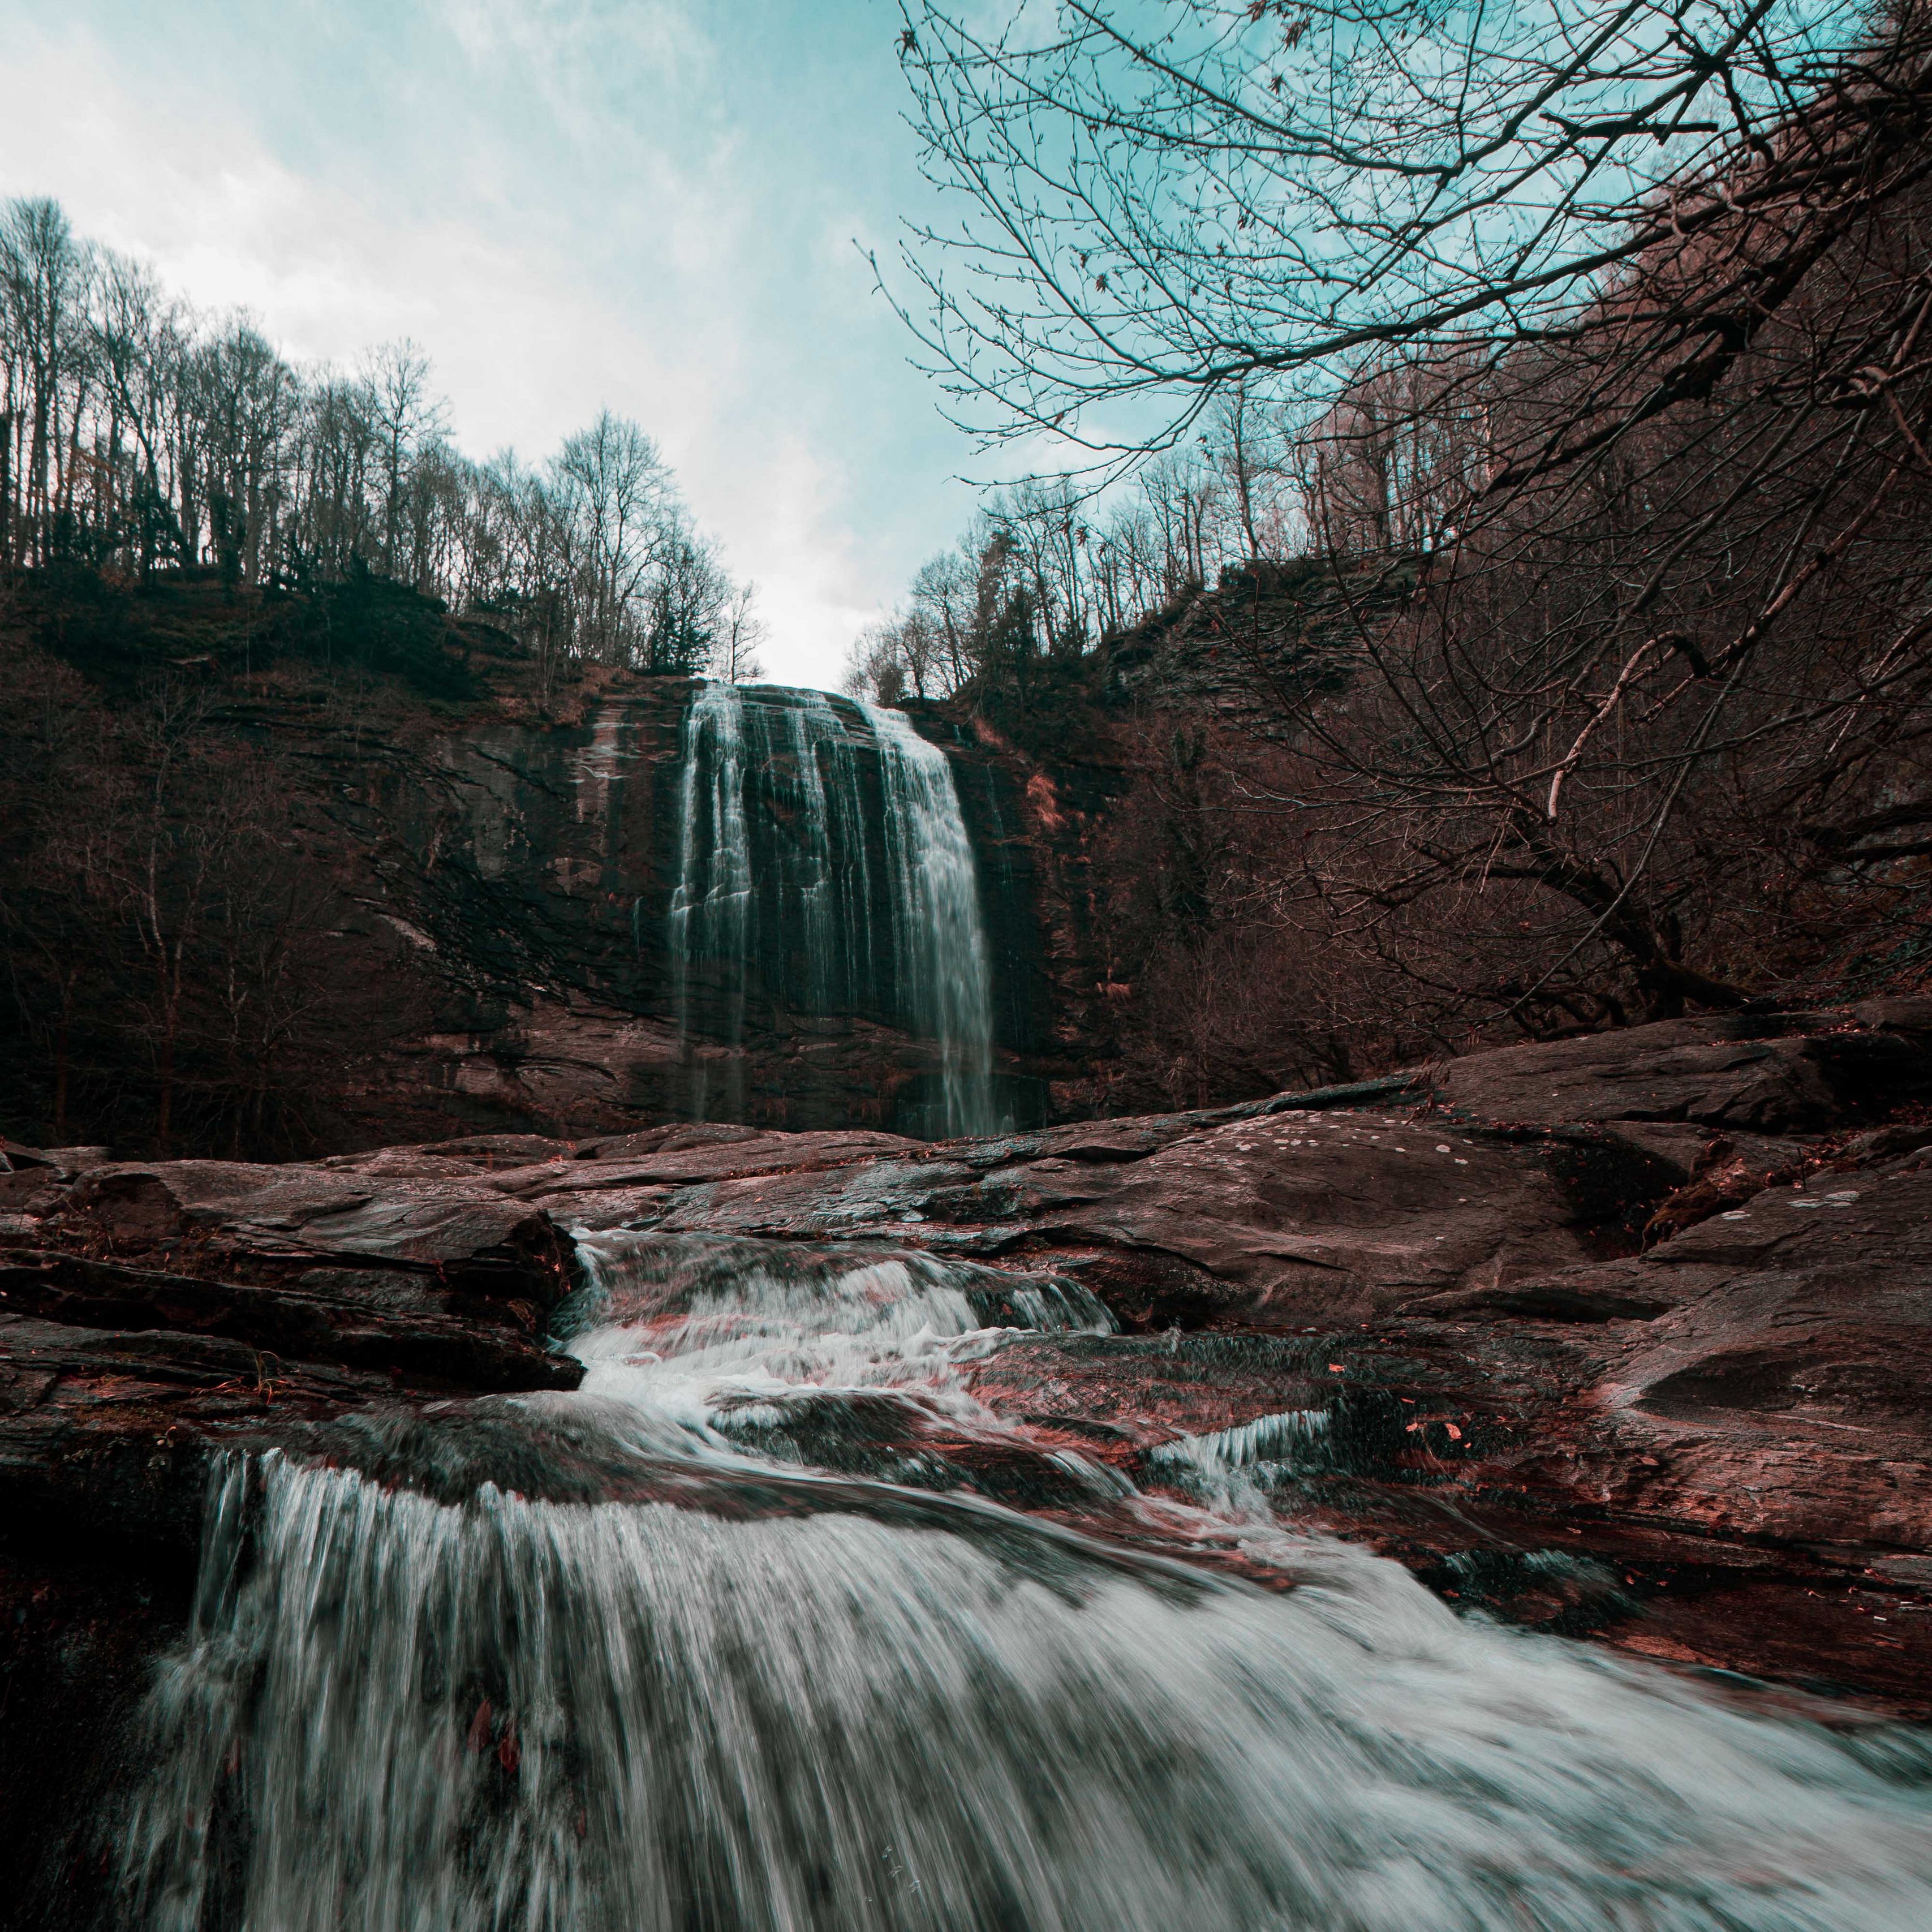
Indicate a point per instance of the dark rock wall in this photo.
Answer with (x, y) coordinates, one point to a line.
(473, 883)
(1038, 826)
(541, 859)
(79, 1637)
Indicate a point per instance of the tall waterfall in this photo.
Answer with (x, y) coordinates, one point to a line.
(939, 938)
(711, 909)
(666, 1653)
(780, 855)
(833, 872)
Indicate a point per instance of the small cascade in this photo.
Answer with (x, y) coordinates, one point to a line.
(727, 1334)
(825, 872)
(1227, 1469)
(939, 936)
(668, 1652)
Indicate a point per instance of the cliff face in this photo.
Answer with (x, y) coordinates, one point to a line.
(548, 858)
(500, 948)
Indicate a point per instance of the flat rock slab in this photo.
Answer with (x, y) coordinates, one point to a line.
(328, 1320)
(105, 1434)
(1689, 1447)
(1767, 1074)
(1270, 1222)
(676, 1166)
(463, 1231)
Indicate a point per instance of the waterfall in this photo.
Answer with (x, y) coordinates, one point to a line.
(814, 883)
(737, 1683)
(939, 939)
(833, 867)
(712, 907)
(775, 893)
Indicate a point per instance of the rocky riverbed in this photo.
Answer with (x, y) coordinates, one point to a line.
(1626, 1338)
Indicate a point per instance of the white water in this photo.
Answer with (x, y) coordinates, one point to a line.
(814, 884)
(1222, 1468)
(940, 938)
(822, 956)
(696, 1323)
(711, 907)
(851, 1708)
(833, 885)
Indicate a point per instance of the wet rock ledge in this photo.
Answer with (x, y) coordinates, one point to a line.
(1627, 1336)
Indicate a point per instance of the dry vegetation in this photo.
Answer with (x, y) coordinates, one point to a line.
(1601, 413)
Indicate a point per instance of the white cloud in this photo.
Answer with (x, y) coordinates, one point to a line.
(568, 205)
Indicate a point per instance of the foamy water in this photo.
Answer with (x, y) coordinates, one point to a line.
(793, 1700)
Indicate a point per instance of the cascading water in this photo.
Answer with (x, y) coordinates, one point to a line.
(832, 867)
(711, 907)
(939, 938)
(776, 889)
(683, 1661)
(813, 881)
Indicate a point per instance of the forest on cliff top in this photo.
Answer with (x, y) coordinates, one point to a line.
(139, 435)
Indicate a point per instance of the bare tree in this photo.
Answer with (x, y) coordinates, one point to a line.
(741, 631)
(249, 405)
(334, 456)
(614, 491)
(1596, 346)
(875, 665)
(406, 412)
(1160, 209)
(135, 330)
(685, 606)
(43, 271)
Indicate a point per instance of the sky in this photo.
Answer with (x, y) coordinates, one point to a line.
(648, 204)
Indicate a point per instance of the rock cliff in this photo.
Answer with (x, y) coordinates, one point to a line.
(406, 913)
